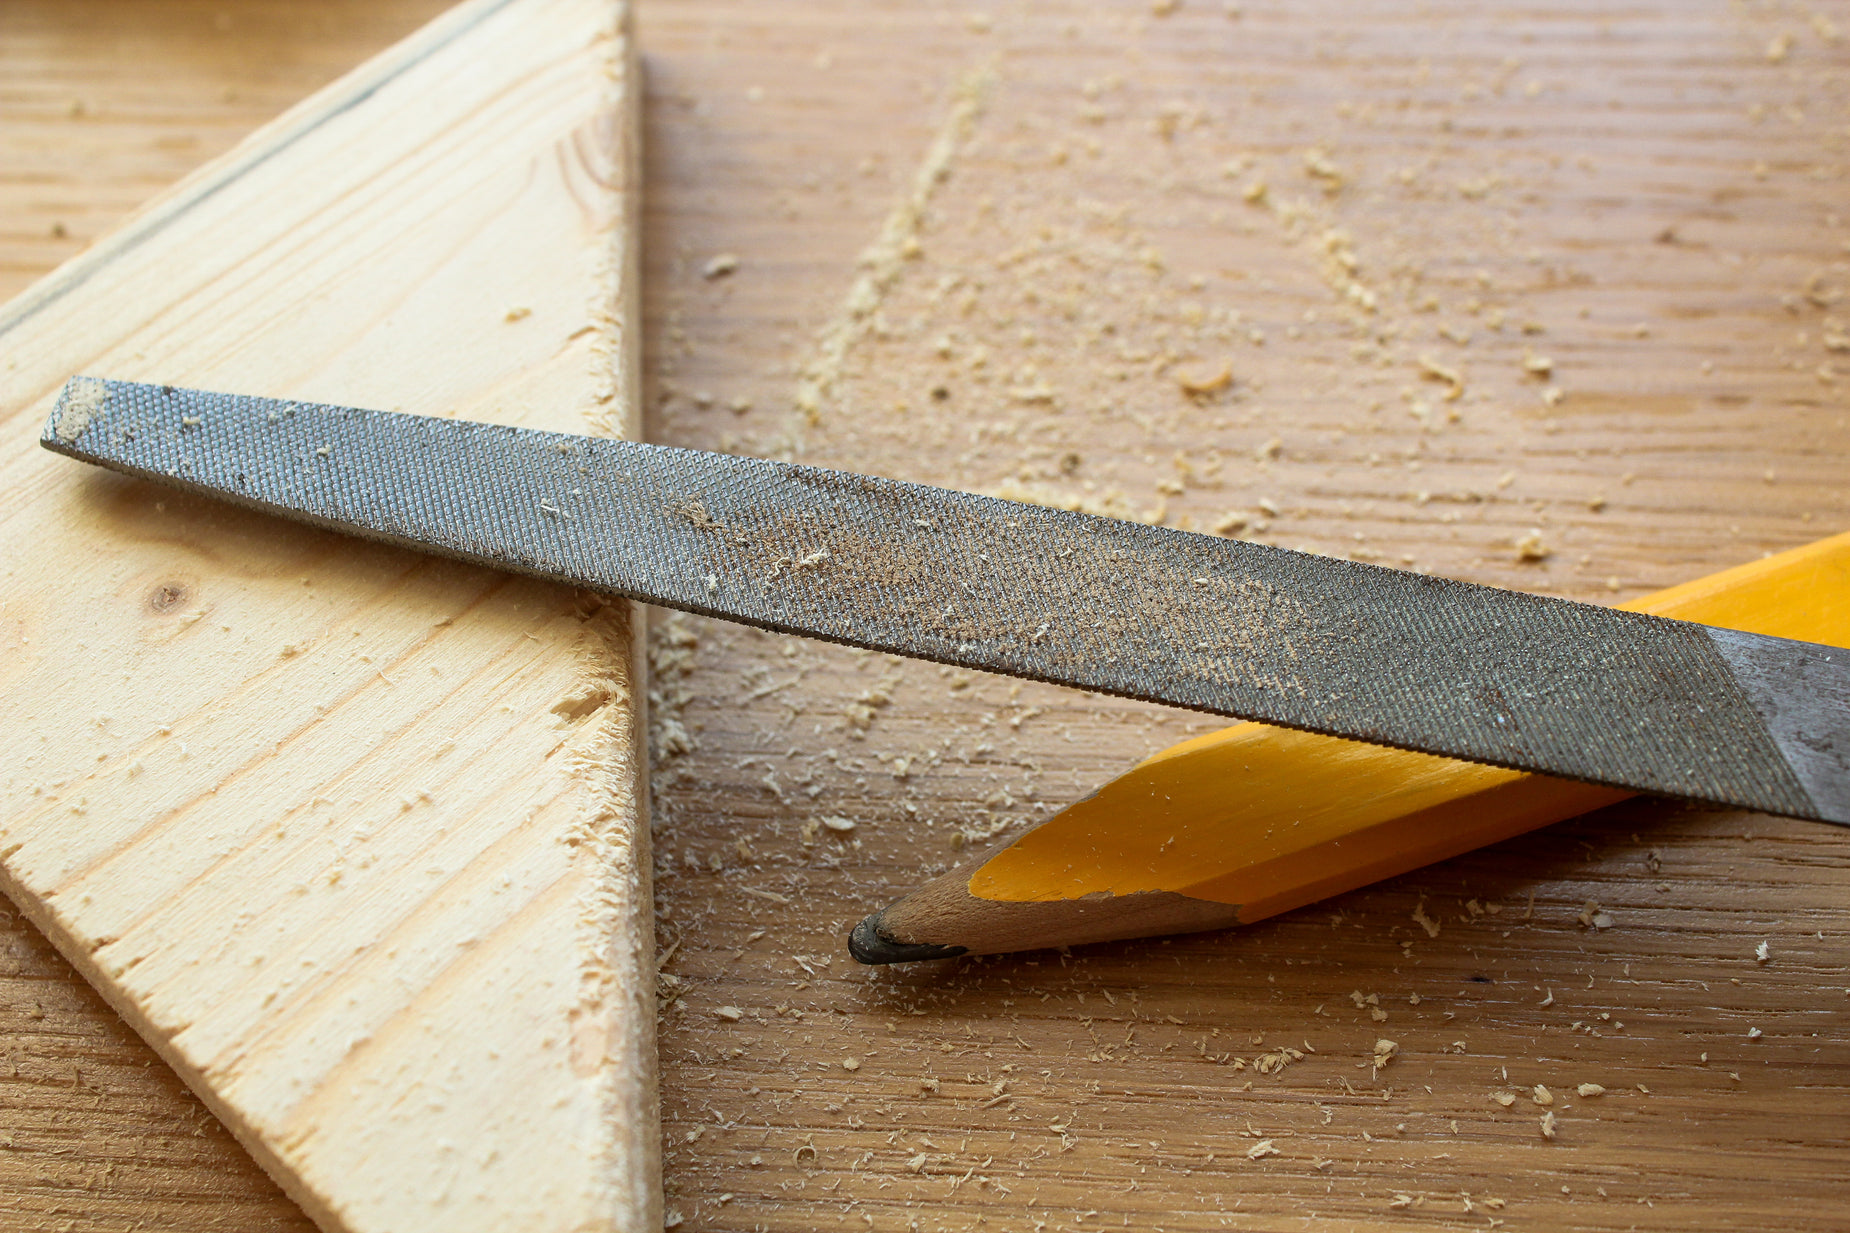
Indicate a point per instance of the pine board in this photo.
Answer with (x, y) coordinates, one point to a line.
(785, 136)
(353, 839)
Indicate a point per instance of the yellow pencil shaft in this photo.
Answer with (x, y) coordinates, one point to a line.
(1268, 819)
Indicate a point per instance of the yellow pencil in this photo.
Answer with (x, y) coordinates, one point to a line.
(1241, 824)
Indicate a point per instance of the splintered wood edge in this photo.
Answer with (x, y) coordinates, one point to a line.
(616, 916)
(624, 907)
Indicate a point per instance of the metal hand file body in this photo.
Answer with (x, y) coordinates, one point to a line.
(1190, 620)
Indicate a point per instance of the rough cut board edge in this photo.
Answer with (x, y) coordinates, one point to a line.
(627, 907)
(623, 898)
(618, 831)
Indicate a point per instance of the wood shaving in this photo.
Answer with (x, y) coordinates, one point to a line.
(1199, 387)
(1424, 921)
(719, 266)
(1530, 548)
(1231, 524)
(1272, 1063)
(1432, 370)
(1318, 166)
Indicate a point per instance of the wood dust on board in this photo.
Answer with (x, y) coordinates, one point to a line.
(1355, 295)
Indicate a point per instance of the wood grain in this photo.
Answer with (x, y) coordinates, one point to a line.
(1086, 249)
(1629, 184)
(350, 838)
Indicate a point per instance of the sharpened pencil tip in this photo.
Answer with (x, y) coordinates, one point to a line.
(871, 944)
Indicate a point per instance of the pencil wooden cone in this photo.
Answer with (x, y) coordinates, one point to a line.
(352, 836)
(1251, 821)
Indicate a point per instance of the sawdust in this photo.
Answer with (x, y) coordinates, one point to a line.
(987, 363)
(1424, 921)
(897, 243)
(1199, 386)
(83, 399)
(1531, 548)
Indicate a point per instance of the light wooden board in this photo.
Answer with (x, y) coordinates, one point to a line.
(785, 135)
(355, 839)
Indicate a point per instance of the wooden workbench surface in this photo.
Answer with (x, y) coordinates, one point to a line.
(1548, 297)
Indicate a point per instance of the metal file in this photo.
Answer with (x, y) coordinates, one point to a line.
(1196, 621)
